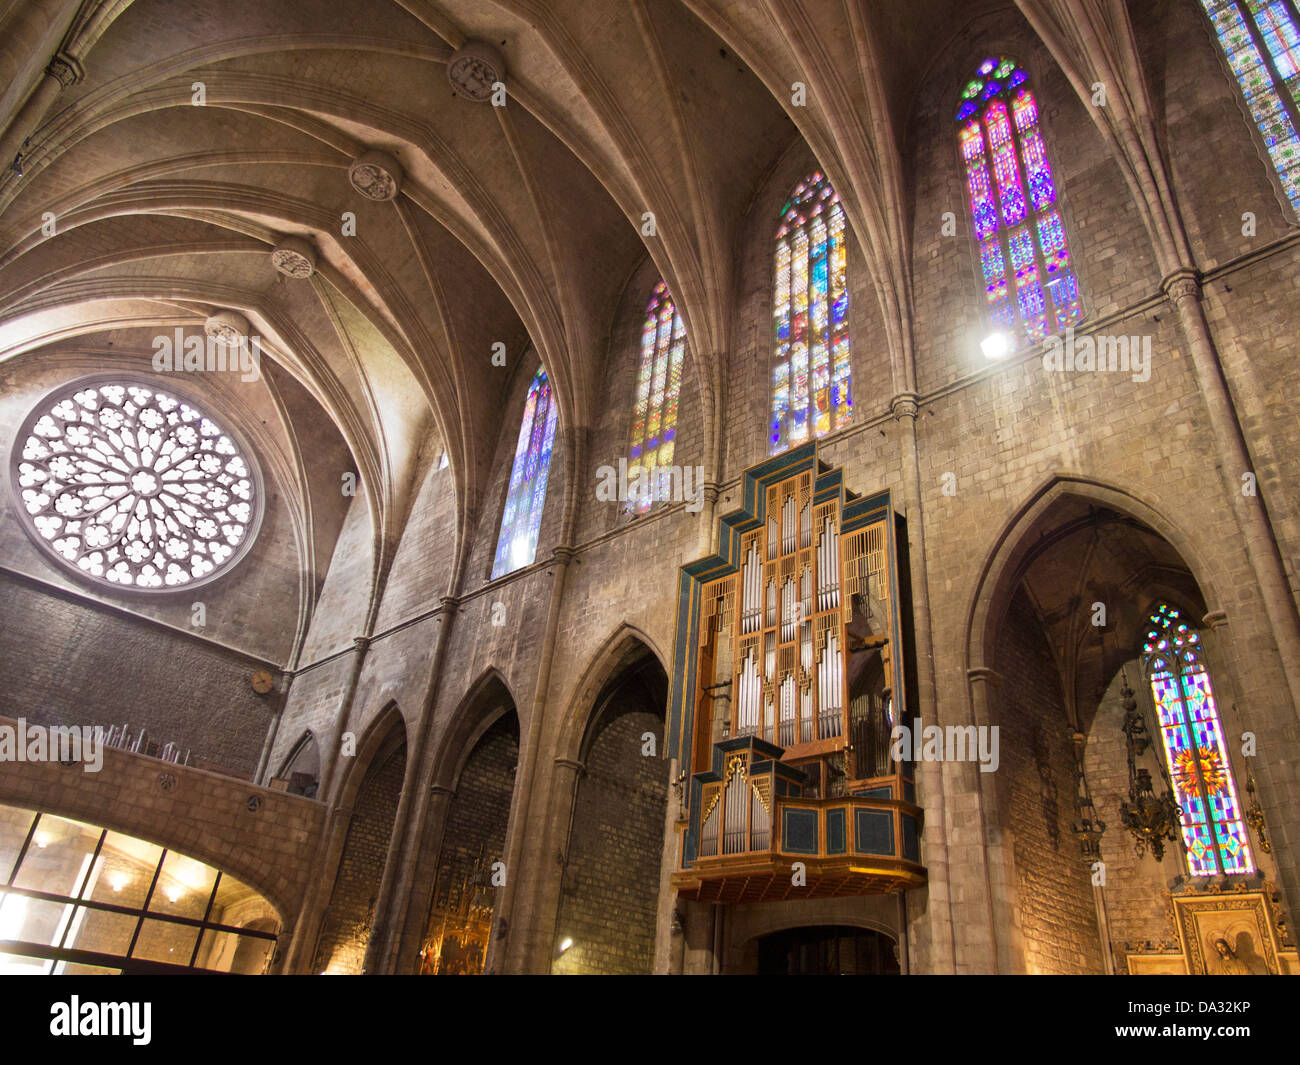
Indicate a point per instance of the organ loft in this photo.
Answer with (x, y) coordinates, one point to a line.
(702, 487)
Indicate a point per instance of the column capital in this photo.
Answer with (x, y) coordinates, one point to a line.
(983, 674)
(1216, 619)
(360, 643)
(450, 603)
(564, 554)
(441, 790)
(1181, 285)
(905, 405)
(66, 68)
(570, 763)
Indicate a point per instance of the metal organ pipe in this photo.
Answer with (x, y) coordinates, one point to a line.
(733, 839)
(828, 567)
(749, 695)
(751, 588)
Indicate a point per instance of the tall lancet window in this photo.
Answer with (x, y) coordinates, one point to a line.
(811, 390)
(522, 518)
(1262, 45)
(1029, 278)
(1195, 754)
(658, 384)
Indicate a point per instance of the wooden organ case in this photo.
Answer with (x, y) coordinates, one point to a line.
(790, 673)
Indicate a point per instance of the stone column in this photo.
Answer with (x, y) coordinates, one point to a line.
(330, 754)
(408, 825)
(515, 932)
(989, 868)
(938, 933)
(668, 925)
(549, 879)
(411, 939)
(63, 72)
(1279, 789)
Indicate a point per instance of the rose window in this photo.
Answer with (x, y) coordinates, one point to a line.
(135, 487)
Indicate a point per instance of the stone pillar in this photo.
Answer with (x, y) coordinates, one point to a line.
(547, 887)
(668, 925)
(1278, 728)
(408, 825)
(708, 531)
(411, 941)
(311, 918)
(936, 934)
(993, 927)
(64, 71)
(330, 754)
(516, 935)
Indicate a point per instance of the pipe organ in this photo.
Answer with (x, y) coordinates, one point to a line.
(782, 709)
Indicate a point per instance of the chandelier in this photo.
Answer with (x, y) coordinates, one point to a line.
(1150, 818)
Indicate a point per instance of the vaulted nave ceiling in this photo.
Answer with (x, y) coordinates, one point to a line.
(517, 224)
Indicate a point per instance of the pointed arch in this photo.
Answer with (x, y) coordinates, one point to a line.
(381, 737)
(484, 703)
(622, 648)
(999, 574)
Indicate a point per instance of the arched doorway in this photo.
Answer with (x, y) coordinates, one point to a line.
(827, 950)
(610, 891)
(1064, 638)
(468, 870)
(345, 931)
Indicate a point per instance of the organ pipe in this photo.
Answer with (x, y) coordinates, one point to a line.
(733, 838)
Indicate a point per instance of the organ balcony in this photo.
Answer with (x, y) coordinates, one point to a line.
(791, 655)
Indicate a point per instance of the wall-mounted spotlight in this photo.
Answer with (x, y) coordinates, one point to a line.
(996, 345)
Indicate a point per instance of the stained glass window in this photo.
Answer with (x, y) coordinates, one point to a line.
(811, 388)
(1195, 754)
(1029, 278)
(133, 487)
(658, 384)
(1262, 45)
(522, 519)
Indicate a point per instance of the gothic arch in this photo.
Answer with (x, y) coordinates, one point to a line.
(623, 647)
(484, 703)
(1000, 572)
(386, 730)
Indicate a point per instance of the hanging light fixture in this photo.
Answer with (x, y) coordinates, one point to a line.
(1089, 827)
(1150, 818)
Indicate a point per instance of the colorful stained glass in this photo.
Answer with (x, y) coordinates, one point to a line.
(811, 381)
(521, 520)
(1012, 199)
(659, 384)
(1261, 42)
(1195, 753)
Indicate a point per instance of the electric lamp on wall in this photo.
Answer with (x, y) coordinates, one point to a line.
(996, 345)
